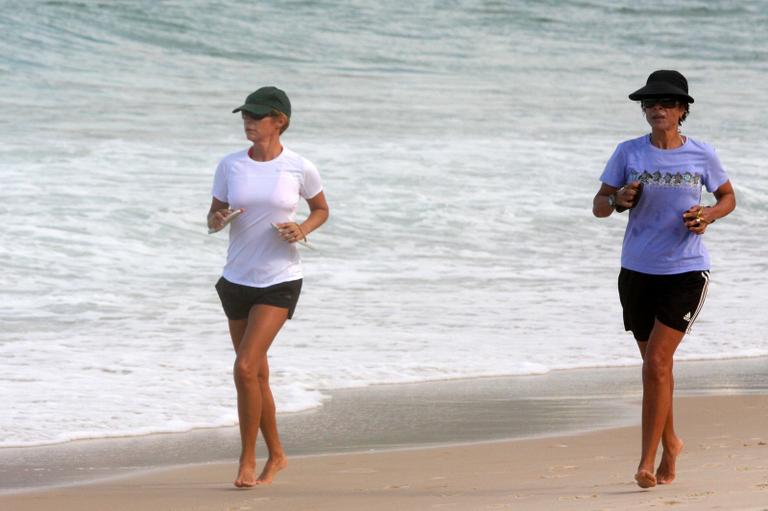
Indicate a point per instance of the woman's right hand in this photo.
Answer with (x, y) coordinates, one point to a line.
(627, 195)
(216, 220)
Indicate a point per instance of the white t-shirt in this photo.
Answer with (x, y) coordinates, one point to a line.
(269, 192)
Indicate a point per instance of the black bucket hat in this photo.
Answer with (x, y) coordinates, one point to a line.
(264, 100)
(663, 83)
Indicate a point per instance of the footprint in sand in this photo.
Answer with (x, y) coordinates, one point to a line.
(500, 506)
(447, 504)
(554, 471)
(580, 497)
(562, 467)
(356, 471)
(700, 494)
(559, 468)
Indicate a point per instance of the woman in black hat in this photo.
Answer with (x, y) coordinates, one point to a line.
(256, 191)
(664, 264)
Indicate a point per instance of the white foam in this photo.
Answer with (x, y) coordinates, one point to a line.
(461, 242)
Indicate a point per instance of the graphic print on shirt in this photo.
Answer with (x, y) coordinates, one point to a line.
(685, 179)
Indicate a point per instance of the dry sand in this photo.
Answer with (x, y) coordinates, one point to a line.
(724, 466)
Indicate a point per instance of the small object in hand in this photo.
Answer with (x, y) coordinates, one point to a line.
(234, 214)
(304, 241)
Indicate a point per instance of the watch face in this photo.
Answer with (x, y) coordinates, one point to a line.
(611, 201)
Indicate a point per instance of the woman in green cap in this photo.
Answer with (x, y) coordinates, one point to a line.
(256, 191)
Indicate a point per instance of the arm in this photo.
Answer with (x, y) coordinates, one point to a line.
(624, 197)
(726, 202)
(600, 206)
(217, 213)
(697, 218)
(318, 214)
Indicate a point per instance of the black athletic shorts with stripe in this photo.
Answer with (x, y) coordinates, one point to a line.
(675, 300)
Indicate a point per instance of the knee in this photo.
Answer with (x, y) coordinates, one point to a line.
(246, 371)
(656, 368)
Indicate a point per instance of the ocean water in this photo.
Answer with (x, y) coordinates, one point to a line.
(460, 144)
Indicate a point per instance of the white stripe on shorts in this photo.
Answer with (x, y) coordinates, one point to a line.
(705, 276)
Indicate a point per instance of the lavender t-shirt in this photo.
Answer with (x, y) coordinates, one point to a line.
(656, 240)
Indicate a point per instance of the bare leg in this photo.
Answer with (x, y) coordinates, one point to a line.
(277, 459)
(657, 399)
(672, 444)
(263, 324)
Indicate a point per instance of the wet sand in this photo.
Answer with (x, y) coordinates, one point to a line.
(440, 445)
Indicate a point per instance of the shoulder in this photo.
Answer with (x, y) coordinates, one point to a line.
(233, 157)
(698, 145)
(297, 161)
(629, 147)
(634, 144)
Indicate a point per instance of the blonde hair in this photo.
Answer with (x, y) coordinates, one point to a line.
(278, 113)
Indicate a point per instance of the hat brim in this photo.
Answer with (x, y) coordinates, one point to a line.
(655, 90)
(254, 109)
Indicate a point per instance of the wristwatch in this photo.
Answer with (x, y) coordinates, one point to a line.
(612, 200)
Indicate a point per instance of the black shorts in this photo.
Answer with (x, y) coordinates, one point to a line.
(675, 300)
(237, 299)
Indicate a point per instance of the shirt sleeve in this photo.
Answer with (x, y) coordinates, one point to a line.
(311, 184)
(220, 190)
(716, 175)
(614, 173)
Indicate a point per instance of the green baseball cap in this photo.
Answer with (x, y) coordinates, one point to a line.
(264, 100)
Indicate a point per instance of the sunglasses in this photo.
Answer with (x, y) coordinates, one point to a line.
(254, 117)
(664, 102)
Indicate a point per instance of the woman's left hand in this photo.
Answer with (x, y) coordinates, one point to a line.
(291, 232)
(696, 219)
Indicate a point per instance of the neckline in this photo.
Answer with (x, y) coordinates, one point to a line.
(249, 155)
(650, 143)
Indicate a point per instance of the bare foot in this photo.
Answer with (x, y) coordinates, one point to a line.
(246, 475)
(645, 479)
(272, 467)
(665, 474)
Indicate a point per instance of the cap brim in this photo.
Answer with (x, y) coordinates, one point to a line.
(655, 90)
(254, 109)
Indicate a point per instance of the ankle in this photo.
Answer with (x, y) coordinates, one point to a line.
(248, 460)
(646, 467)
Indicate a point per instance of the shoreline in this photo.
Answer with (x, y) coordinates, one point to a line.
(330, 392)
(392, 417)
(724, 466)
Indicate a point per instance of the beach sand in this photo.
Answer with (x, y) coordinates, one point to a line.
(724, 465)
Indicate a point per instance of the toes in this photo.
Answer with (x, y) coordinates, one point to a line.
(645, 479)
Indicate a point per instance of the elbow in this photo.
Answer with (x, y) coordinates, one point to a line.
(597, 210)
